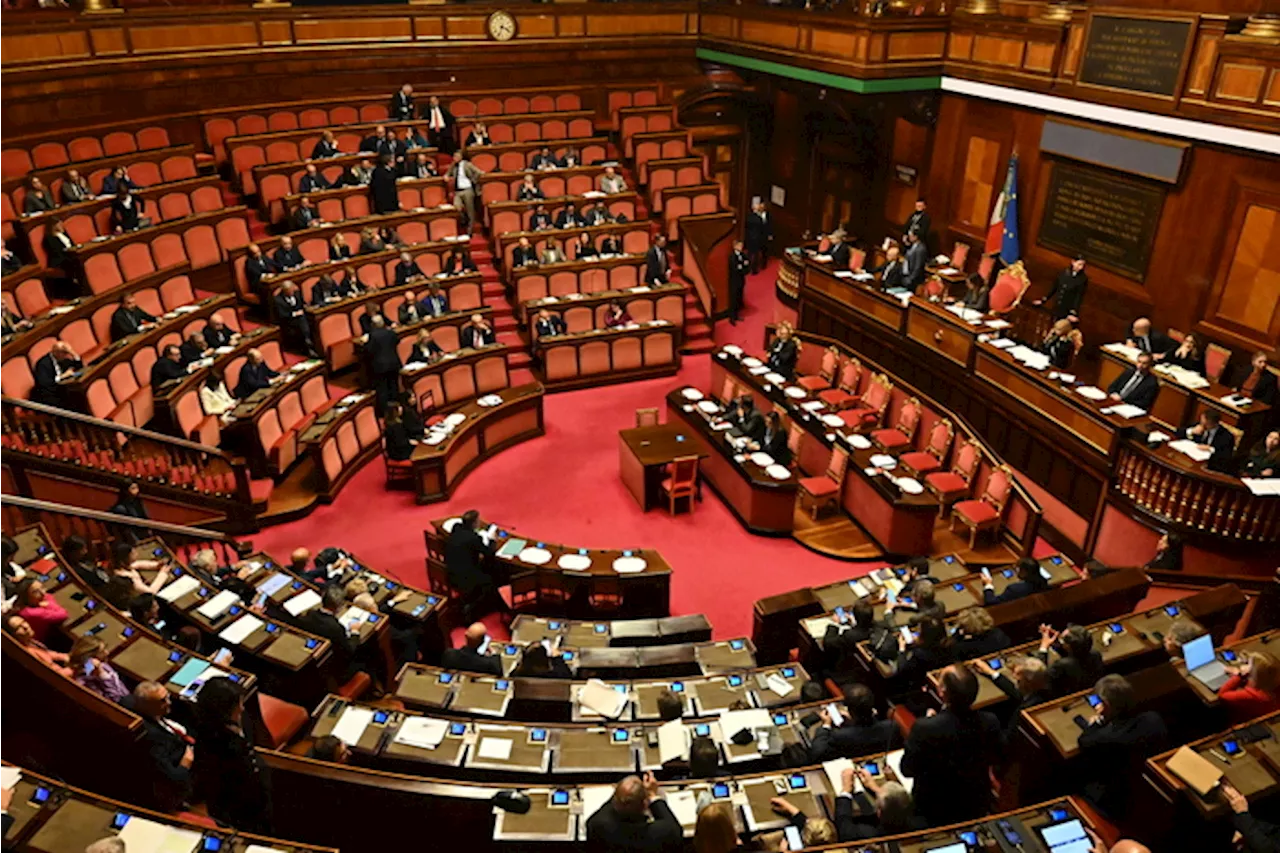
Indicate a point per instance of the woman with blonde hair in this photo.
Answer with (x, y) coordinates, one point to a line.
(715, 832)
(1253, 689)
(91, 671)
(1060, 344)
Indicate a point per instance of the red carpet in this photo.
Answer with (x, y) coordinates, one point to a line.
(565, 488)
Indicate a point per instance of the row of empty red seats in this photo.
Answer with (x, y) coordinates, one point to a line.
(684, 201)
(450, 384)
(278, 424)
(667, 145)
(16, 162)
(206, 241)
(643, 119)
(346, 444)
(27, 297)
(565, 360)
(683, 172)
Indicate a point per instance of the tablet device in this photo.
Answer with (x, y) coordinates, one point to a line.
(380, 717)
(872, 768)
(457, 729)
(736, 645)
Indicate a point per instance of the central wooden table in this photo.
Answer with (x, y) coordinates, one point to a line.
(644, 451)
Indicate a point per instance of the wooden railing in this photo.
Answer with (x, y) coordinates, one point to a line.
(1193, 500)
(180, 481)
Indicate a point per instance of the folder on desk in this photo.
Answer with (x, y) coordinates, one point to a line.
(178, 588)
(422, 732)
(273, 584)
(835, 774)
(351, 725)
(147, 836)
(241, 628)
(599, 698)
(894, 760)
(673, 742)
(683, 805)
(302, 602)
(594, 797)
(1195, 770)
(218, 605)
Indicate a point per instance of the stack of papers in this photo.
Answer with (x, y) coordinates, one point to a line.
(353, 618)
(1121, 348)
(778, 684)
(494, 748)
(601, 699)
(1187, 447)
(997, 324)
(302, 602)
(241, 629)
(595, 796)
(273, 584)
(1124, 410)
(146, 836)
(1003, 343)
(179, 588)
(219, 604)
(1269, 486)
(817, 626)
(673, 742)
(351, 725)
(966, 314)
(1090, 392)
(422, 732)
(894, 760)
(9, 777)
(683, 805)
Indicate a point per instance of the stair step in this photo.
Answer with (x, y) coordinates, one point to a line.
(522, 376)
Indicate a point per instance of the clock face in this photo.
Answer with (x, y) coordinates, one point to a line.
(502, 26)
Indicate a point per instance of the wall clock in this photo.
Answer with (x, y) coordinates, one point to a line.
(501, 26)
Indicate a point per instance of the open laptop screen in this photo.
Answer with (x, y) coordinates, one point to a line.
(1198, 652)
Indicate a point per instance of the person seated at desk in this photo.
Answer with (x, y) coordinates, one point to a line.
(230, 777)
(1168, 556)
(129, 319)
(858, 624)
(477, 333)
(1257, 381)
(548, 325)
(1029, 582)
(1182, 631)
(59, 362)
(537, 662)
(976, 635)
(312, 181)
(469, 658)
(39, 199)
(305, 215)
(893, 272)
(331, 749)
(145, 610)
(540, 220)
(412, 420)
(287, 256)
(218, 334)
(977, 297)
(931, 650)
(41, 610)
(254, 375)
(552, 253)
(75, 551)
(395, 435)
(1208, 431)
(166, 741)
(615, 315)
(458, 262)
(371, 241)
(782, 353)
(419, 167)
(1078, 665)
(193, 349)
(119, 177)
(167, 368)
(544, 160)
(325, 147)
(1253, 689)
(1115, 745)
(324, 292)
(57, 247)
(360, 175)
(670, 706)
(813, 831)
(1255, 835)
(75, 188)
(610, 245)
(435, 303)
(126, 212)
(568, 217)
(523, 253)
(21, 631)
(407, 271)
(611, 182)
(584, 248)
(466, 559)
(88, 661)
(598, 215)
(859, 734)
(635, 819)
(839, 251)
(380, 142)
(894, 809)
(1264, 459)
(529, 189)
(919, 601)
(1029, 685)
(950, 754)
(745, 419)
(774, 439)
(323, 622)
(1188, 355)
(410, 311)
(1060, 344)
(258, 266)
(1143, 338)
(1137, 386)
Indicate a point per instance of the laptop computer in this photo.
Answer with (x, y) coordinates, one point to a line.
(1203, 664)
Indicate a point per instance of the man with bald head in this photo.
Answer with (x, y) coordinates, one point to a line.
(1124, 845)
(471, 656)
(165, 741)
(51, 368)
(636, 818)
(254, 374)
(218, 334)
(1146, 339)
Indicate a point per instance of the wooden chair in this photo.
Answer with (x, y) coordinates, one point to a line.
(845, 393)
(959, 255)
(985, 266)
(398, 470)
(903, 433)
(1216, 357)
(1011, 284)
(826, 372)
(869, 410)
(647, 417)
(825, 490)
(427, 405)
(606, 592)
(932, 288)
(987, 512)
(920, 462)
(553, 594)
(682, 483)
(524, 592)
(950, 486)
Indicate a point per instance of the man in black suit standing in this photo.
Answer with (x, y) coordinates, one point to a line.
(1146, 340)
(291, 314)
(383, 352)
(918, 223)
(323, 622)
(440, 123)
(167, 368)
(759, 235)
(166, 742)
(950, 754)
(1137, 386)
(1068, 288)
(636, 819)
(466, 555)
(916, 259)
(1210, 432)
(1115, 746)
(739, 266)
(383, 196)
(656, 268)
(402, 104)
(49, 370)
(129, 319)
(468, 657)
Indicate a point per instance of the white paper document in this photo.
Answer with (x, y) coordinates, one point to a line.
(178, 588)
(352, 618)
(1124, 410)
(1090, 392)
(219, 604)
(422, 732)
(835, 772)
(1187, 447)
(684, 806)
(894, 760)
(273, 584)
(351, 725)
(732, 722)
(302, 602)
(673, 742)
(146, 836)
(1267, 486)
(238, 630)
(259, 848)
(817, 626)
(594, 797)
(779, 685)
(601, 699)
(495, 748)
(9, 777)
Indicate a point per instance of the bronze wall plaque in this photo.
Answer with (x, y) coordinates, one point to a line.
(1107, 219)
(1134, 53)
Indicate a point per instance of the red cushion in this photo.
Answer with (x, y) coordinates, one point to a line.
(282, 719)
(920, 462)
(946, 482)
(818, 486)
(813, 383)
(977, 512)
(260, 490)
(356, 687)
(889, 438)
(836, 397)
(859, 416)
(435, 419)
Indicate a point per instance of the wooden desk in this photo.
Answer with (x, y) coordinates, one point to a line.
(863, 297)
(645, 451)
(933, 326)
(1253, 771)
(602, 356)
(1268, 642)
(482, 432)
(617, 632)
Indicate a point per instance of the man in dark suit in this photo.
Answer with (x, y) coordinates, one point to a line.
(544, 160)
(383, 196)
(383, 352)
(893, 272)
(745, 418)
(254, 375)
(782, 353)
(440, 123)
(126, 212)
(421, 166)
(166, 742)
(193, 349)
(950, 754)
(540, 220)
(257, 266)
(167, 368)
(50, 368)
(287, 257)
(916, 258)
(1028, 687)
(468, 656)
(1137, 386)
(323, 622)
(291, 314)
(598, 215)
(739, 266)
(1068, 288)
(435, 303)
(410, 310)
(523, 253)
(1115, 745)
(839, 251)
(860, 733)
(402, 104)
(129, 319)
(1210, 432)
(568, 217)
(313, 181)
(1029, 582)
(759, 235)
(918, 223)
(840, 643)
(466, 555)
(305, 215)
(636, 819)
(218, 334)
(657, 270)
(477, 333)
(548, 325)
(894, 814)
(74, 188)
(1144, 338)
(407, 270)
(327, 146)
(379, 143)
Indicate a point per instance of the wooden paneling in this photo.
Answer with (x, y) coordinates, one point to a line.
(1249, 297)
(1239, 82)
(774, 35)
(718, 25)
(1039, 57)
(833, 43)
(960, 46)
(108, 42)
(910, 148)
(977, 183)
(536, 26)
(628, 25)
(191, 37)
(471, 27)
(998, 51)
(31, 47)
(916, 45)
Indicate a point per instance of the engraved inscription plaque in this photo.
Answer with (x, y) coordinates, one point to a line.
(1135, 54)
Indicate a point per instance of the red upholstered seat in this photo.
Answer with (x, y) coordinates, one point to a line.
(282, 719)
(890, 439)
(976, 512)
(947, 481)
(920, 462)
(859, 417)
(846, 393)
(356, 686)
(825, 490)
(870, 408)
(818, 486)
(930, 459)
